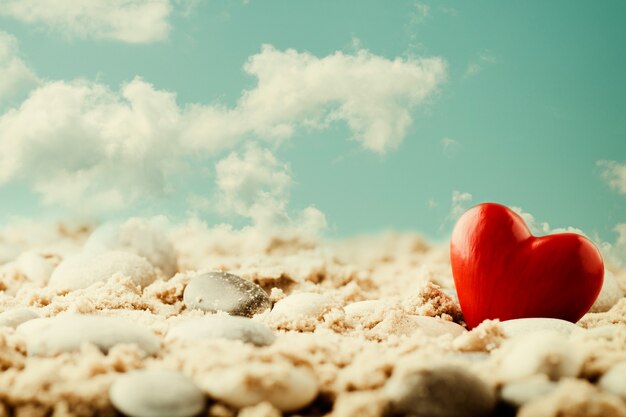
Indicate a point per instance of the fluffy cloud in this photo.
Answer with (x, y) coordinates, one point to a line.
(372, 94)
(615, 175)
(14, 73)
(459, 205)
(256, 185)
(133, 21)
(84, 145)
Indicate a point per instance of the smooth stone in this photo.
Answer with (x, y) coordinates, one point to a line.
(223, 327)
(286, 387)
(302, 305)
(439, 390)
(17, 316)
(221, 291)
(139, 236)
(614, 380)
(363, 308)
(542, 352)
(81, 271)
(518, 393)
(156, 393)
(406, 324)
(517, 327)
(35, 266)
(609, 295)
(66, 333)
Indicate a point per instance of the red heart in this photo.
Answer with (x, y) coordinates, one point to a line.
(501, 271)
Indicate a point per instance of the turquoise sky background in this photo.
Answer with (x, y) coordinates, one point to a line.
(534, 97)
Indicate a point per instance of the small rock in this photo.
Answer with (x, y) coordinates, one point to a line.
(221, 326)
(439, 391)
(614, 381)
(517, 327)
(17, 316)
(542, 352)
(220, 291)
(81, 271)
(609, 295)
(156, 393)
(302, 305)
(139, 236)
(285, 386)
(66, 333)
(402, 324)
(518, 393)
(363, 308)
(37, 266)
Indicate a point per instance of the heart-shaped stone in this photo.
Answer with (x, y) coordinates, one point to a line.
(501, 271)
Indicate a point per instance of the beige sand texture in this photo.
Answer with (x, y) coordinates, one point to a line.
(379, 304)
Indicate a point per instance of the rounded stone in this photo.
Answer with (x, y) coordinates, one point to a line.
(81, 271)
(221, 291)
(614, 381)
(139, 236)
(439, 390)
(542, 352)
(66, 333)
(17, 316)
(518, 327)
(302, 305)
(36, 266)
(286, 387)
(221, 326)
(609, 295)
(518, 393)
(156, 393)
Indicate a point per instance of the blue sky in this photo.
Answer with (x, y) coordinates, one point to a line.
(397, 106)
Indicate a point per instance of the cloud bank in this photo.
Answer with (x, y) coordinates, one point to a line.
(132, 21)
(82, 144)
(15, 75)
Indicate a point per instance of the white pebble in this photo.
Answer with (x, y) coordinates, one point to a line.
(517, 327)
(139, 236)
(17, 316)
(221, 326)
(285, 386)
(302, 305)
(614, 381)
(542, 352)
(527, 390)
(66, 333)
(156, 393)
(81, 271)
(36, 266)
(609, 295)
(363, 308)
(402, 324)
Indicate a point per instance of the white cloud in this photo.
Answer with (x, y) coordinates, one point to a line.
(478, 64)
(15, 75)
(372, 94)
(256, 185)
(450, 145)
(615, 175)
(459, 204)
(83, 145)
(132, 21)
(542, 228)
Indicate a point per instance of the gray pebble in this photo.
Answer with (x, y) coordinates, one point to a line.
(66, 333)
(222, 326)
(439, 391)
(17, 316)
(156, 393)
(518, 393)
(221, 291)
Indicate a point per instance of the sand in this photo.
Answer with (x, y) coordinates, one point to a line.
(374, 293)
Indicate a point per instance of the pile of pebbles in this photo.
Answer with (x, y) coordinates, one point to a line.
(336, 356)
